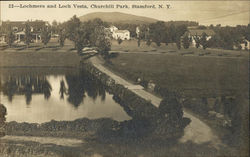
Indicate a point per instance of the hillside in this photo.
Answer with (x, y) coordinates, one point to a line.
(117, 17)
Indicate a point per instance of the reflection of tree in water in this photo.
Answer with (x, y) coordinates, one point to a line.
(9, 88)
(62, 90)
(26, 85)
(46, 88)
(28, 92)
(78, 84)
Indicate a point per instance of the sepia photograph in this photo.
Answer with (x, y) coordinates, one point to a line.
(139, 78)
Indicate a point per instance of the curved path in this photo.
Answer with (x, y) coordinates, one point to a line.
(197, 131)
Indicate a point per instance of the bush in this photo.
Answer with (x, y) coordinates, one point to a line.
(171, 107)
(3, 112)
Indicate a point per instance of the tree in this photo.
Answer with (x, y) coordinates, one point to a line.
(103, 43)
(10, 37)
(54, 27)
(139, 42)
(28, 35)
(45, 35)
(185, 42)
(62, 37)
(178, 43)
(158, 32)
(203, 40)
(171, 108)
(119, 40)
(72, 29)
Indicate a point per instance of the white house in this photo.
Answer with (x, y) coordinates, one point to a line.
(245, 45)
(115, 33)
(113, 28)
(192, 33)
(121, 34)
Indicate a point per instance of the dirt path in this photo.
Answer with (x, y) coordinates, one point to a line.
(197, 131)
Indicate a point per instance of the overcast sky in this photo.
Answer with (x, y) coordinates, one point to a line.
(204, 12)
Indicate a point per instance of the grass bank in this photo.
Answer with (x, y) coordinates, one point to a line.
(38, 55)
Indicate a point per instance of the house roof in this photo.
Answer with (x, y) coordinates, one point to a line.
(199, 32)
(121, 31)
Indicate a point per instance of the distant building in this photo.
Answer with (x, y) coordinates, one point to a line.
(18, 28)
(137, 31)
(192, 33)
(121, 34)
(115, 33)
(245, 45)
(113, 28)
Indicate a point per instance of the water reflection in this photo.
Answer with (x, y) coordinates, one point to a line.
(26, 85)
(60, 97)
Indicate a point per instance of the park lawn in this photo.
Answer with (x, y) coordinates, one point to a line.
(132, 46)
(38, 55)
(193, 75)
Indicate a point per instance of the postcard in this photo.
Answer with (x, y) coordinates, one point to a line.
(124, 78)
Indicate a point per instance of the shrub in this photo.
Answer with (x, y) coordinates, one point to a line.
(3, 112)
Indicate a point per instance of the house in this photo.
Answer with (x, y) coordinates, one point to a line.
(121, 34)
(115, 33)
(137, 31)
(192, 33)
(18, 28)
(113, 28)
(245, 45)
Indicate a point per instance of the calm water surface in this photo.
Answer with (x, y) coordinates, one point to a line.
(41, 98)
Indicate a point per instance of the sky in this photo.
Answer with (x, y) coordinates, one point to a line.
(205, 12)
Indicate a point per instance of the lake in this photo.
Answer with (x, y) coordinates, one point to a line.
(37, 97)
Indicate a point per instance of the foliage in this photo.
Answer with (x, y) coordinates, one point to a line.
(3, 113)
(45, 35)
(90, 33)
(203, 41)
(185, 42)
(102, 42)
(28, 35)
(157, 32)
(62, 36)
(170, 107)
(10, 37)
(178, 43)
(228, 37)
(54, 27)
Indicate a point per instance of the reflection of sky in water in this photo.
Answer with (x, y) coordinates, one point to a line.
(41, 110)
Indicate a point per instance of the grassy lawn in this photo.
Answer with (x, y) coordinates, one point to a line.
(131, 46)
(38, 55)
(195, 75)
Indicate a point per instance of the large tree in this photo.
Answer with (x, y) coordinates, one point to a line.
(158, 32)
(72, 29)
(10, 37)
(28, 35)
(185, 42)
(203, 41)
(102, 42)
(62, 36)
(45, 35)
